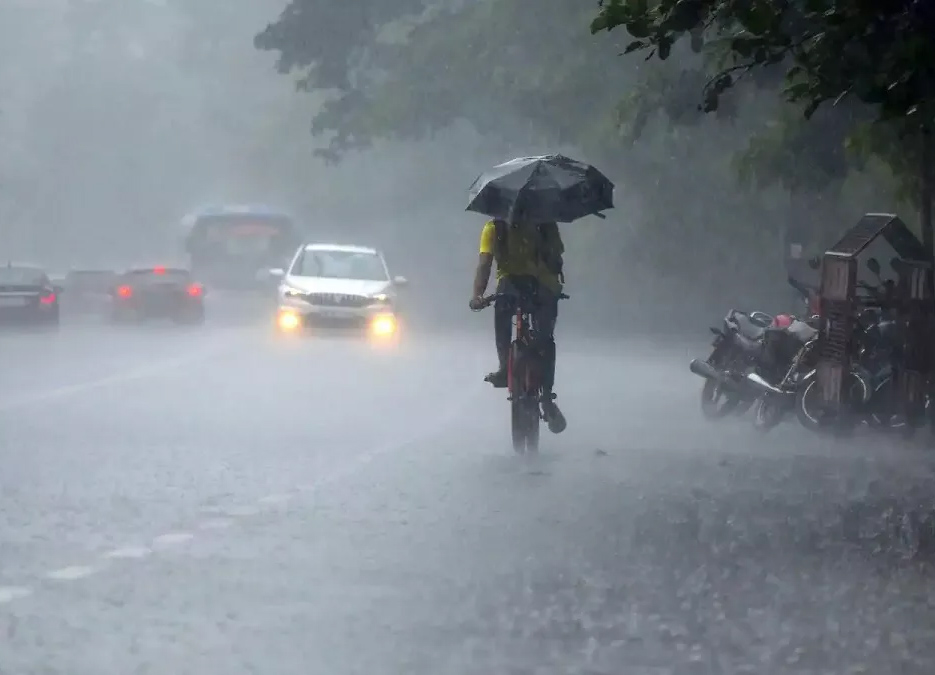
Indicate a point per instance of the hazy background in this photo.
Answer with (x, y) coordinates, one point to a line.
(118, 117)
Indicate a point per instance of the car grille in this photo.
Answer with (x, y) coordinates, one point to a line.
(337, 300)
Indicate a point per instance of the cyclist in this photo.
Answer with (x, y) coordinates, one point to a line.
(529, 262)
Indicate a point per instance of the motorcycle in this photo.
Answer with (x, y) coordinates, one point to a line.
(789, 355)
(869, 391)
(736, 347)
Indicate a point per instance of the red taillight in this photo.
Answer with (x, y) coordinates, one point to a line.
(125, 292)
(195, 290)
(159, 270)
(48, 299)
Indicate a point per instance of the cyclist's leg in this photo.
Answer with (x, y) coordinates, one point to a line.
(503, 333)
(545, 317)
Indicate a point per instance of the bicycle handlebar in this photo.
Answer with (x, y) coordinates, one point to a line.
(490, 299)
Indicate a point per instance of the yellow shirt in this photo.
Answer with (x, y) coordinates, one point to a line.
(521, 258)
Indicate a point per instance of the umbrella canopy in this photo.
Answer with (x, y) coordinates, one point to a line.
(541, 189)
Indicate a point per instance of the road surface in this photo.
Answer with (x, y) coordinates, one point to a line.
(218, 502)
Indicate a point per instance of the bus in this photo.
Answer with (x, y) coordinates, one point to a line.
(232, 246)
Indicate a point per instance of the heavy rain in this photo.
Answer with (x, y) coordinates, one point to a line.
(249, 422)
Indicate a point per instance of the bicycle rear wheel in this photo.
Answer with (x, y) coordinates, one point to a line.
(524, 402)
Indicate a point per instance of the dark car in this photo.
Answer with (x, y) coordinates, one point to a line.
(158, 293)
(27, 296)
(88, 291)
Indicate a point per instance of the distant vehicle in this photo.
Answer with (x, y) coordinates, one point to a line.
(328, 286)
(87, 291)
(28, 296)
(231, 247)
(157, 293)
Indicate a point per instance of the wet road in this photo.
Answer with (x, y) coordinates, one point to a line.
(217, 502)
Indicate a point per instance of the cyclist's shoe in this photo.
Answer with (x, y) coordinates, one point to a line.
(553, 416)
(497, 378)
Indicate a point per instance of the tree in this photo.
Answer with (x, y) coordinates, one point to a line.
(533, 85)
(880, 54)
(332, 45)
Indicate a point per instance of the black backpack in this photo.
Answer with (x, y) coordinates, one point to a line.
(548, 235)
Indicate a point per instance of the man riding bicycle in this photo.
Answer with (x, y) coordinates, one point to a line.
(529, 263)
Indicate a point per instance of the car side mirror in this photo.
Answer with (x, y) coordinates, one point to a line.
(874, 266)
(400, 281)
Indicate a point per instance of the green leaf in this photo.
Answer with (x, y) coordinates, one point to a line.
(759, 18)
(635, 45)
(811, 108)
(744, 46)
(638, 27)
(797, 91)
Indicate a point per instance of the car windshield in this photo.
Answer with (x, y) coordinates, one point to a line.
(154, 276)
(332, 264)
(21, 275)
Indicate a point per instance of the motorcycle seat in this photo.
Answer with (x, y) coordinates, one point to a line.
(747, 328)
(802, 331)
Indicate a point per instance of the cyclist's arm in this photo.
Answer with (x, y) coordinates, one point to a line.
(484, 260)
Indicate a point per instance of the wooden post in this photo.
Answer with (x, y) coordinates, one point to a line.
(928, 187)
(927, 170)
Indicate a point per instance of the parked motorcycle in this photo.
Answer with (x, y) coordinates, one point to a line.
(736, 347)
(869, 391)
(788, 357)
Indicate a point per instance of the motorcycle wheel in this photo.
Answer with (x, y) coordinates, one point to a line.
(768, 412)
(806, 409)
(716, 402)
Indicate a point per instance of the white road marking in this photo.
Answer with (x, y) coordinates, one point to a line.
(158, 368)
(11, 593)
(275, 499)
(130, 552)
(71, 573)
(215, 524)
(173, 538)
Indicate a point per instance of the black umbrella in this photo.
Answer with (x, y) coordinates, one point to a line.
(542, 189)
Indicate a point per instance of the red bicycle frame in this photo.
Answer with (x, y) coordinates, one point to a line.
(519, 330)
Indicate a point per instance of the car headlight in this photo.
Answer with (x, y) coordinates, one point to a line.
(380, 299)
(290, 292)
(383, 325)
(288, 321)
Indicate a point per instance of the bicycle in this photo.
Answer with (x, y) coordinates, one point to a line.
(524, 381)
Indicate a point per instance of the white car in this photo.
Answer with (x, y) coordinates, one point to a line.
(328, 286)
